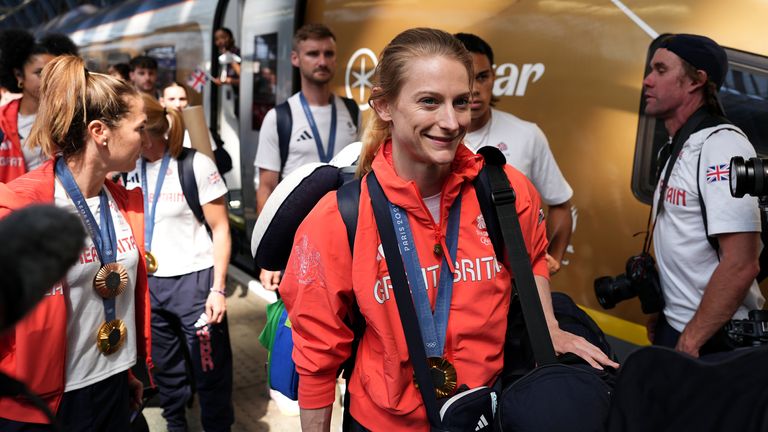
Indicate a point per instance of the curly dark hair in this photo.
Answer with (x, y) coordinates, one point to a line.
(17, 46)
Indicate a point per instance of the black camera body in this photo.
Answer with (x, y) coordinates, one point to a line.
(752, 331)
(748, 177)
(641, 279)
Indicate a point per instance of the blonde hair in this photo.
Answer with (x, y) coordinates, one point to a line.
(163, 122)
(70, 98)
(391, 73)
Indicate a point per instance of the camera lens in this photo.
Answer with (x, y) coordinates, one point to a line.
(748, 177)
(610, 291)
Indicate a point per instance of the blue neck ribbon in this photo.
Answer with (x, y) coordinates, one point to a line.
(433, 326)
(149, 211)
(103, 235)
(325, 156)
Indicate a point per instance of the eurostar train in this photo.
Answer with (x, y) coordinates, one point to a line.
(573, 67)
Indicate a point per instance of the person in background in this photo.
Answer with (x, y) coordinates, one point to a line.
(413, 144)
(703, 287)
(120, 71)
(76, 347)
(143, 74)
(174, 95)
(229, 57)
(312, 108)
(21, 61)
(523, 144)
(188, 271)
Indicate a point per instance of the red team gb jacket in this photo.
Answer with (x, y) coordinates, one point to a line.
(34, 351)
(322, 278)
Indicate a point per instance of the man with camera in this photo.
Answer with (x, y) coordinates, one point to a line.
(706, 242)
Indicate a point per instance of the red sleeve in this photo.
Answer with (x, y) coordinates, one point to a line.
(532, 222)
(317, 291)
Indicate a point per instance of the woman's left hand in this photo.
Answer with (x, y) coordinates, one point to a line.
(215, 306)
(136, 391)
(564, 342)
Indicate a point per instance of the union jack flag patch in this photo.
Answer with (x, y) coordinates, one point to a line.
(717, 173)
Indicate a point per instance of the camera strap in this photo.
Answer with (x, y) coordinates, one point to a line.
(668, 155)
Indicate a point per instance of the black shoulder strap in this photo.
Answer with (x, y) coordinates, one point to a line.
(189, 183)
(503, 198)
(411, 329)
(348, 200)
(712, 240)
(354, 110)
(284, 125)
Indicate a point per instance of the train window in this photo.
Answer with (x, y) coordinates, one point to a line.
(264, 76)
(744, 96)
(166, 64)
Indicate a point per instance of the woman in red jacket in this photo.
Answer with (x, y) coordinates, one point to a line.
(76, 347)
(22, 58)
(421, 99)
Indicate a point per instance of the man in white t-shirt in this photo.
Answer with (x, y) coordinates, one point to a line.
(703, 288)
(523, 144)
(312, 111)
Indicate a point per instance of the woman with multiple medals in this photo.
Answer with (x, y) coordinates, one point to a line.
(188, 269)
(76, 347)
(413, 145)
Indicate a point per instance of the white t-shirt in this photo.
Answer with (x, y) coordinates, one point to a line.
(526, 148)
(180, 243)
(302, 148)
(85, 364)
(685, 258)
(33, 158)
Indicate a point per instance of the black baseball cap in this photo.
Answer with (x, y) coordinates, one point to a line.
(701, 52)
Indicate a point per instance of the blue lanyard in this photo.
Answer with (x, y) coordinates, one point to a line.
(433, 326)
(149, 212)
(103, 235)
(325, 157)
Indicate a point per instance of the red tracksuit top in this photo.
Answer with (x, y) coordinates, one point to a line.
(322, 279)
(12, 163)
(34, 351)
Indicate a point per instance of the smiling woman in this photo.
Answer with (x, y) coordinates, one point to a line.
(413, 151)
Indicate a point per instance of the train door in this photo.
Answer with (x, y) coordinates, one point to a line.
(266, 79)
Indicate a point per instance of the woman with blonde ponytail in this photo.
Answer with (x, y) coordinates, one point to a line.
(76, 348)
(413, 151)
(188, 270)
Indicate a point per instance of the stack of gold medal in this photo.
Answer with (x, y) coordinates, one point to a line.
(110, 282)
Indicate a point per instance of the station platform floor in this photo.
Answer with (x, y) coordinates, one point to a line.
(254, 410)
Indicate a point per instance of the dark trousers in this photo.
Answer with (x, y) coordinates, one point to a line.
(177, 303)
(667, 336)
(103, 406)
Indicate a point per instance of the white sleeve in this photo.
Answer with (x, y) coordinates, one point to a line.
(545, 173)
(268, 152)
(726, 214)
(210, 185)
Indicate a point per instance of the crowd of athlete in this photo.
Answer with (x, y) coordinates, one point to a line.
(151, 281)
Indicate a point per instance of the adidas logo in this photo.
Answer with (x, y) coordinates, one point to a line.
(304, 136)
(482, 423)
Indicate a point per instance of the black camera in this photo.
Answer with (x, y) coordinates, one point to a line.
(640, 279)
(748, 177)
(752, 331)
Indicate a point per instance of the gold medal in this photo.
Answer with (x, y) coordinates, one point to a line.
(111, 336)
(151, 262)
(111, 280)
(443, 376)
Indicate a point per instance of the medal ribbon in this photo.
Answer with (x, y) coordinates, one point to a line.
(433, 326)
(325, 157)
(149, 212)
(103, 235)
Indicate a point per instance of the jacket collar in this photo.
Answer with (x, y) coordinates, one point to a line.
(404, 193)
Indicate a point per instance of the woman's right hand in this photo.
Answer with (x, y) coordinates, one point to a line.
(270, 279)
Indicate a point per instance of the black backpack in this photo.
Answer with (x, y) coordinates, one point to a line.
(189, 182)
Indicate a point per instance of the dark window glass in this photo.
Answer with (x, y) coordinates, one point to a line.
(264, 76)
